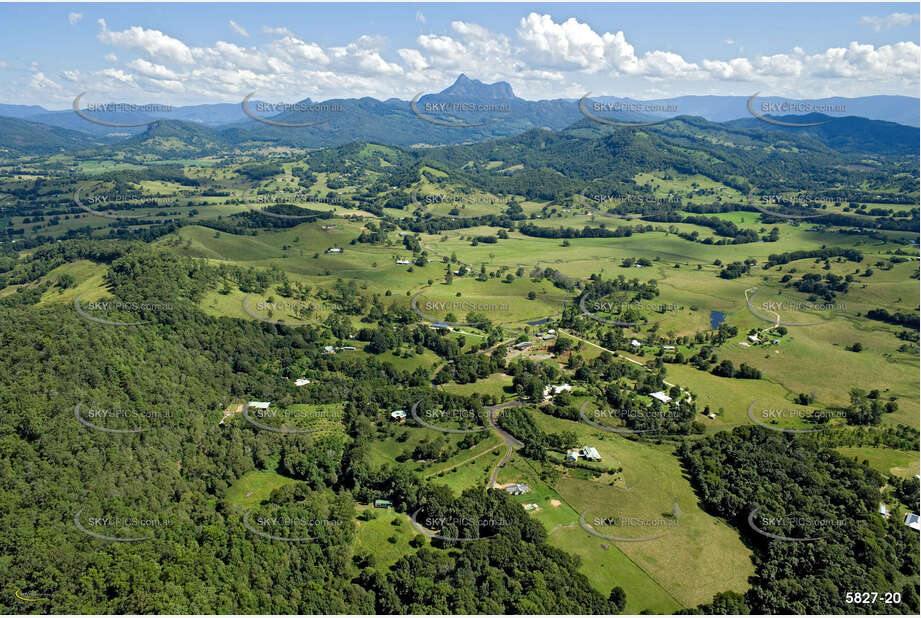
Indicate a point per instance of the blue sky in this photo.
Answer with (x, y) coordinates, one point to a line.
(195, 53)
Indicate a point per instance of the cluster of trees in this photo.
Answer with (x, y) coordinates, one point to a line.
(804, 492)
(827, 286)
(736, 269)
(777, 259)
(720, 227)
(908, 320)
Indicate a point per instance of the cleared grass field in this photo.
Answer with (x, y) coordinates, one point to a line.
(254, 487)
(653, 484)
(885, 460)
(384, 540)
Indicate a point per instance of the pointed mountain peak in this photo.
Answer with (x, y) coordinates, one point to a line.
(463, 86)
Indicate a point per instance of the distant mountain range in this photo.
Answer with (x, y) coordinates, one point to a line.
(468, 111)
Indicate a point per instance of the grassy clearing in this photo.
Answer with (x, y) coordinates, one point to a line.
(383, 539)
(254, 487)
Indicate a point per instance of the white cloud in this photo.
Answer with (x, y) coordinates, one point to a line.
(73, 18)
(238, 28)
(893, 20)
(567, 45)
(156, 44)
(542, 59)
(155, 71)
(413, 58)
(40, 82)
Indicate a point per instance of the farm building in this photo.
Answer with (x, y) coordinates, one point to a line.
(522, 345)
(635, 343)
(555, 389)
(334, 250)
(661, 396)
(517, 489)
(591, 453)
(398, 415)
(911, 520)
(259, 405)
(301, 382)
(883, 510)
(383, 504)
(573, 455)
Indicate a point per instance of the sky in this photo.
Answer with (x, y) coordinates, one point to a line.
(181, 54)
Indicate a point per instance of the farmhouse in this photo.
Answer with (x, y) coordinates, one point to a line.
(661, 396)
(883, 510)
(572, 455)
(403, 261)
(911, 520)
(668, 347)
(259, 405)
(555, 389)
(754, 339)
(329, 349)
(398, 415)
(635, 343)
(301, 382)
(440, 326)
(591, 453)
(383, 504)
(517, 489)
(334, 250)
